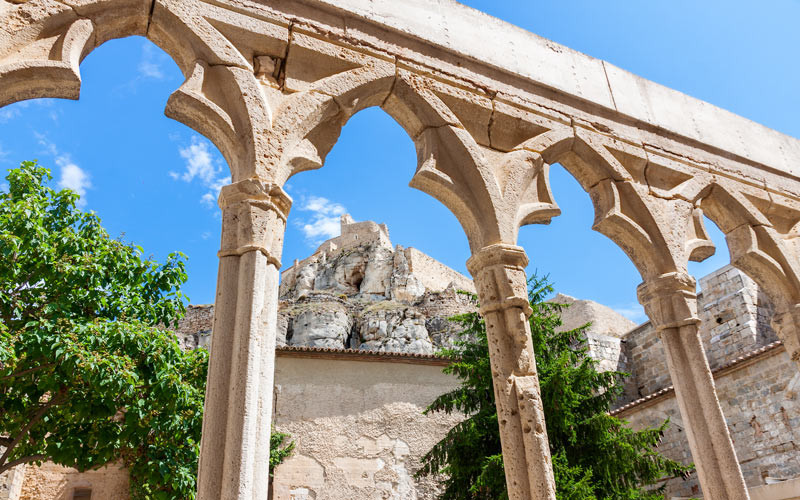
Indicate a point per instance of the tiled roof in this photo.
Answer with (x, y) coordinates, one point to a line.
(361, 355)
(669, 389)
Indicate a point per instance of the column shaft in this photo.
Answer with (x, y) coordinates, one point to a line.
(671, 304)
(499, 272)
(234, 451)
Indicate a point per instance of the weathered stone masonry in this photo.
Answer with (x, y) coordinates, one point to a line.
(754, 377)
(489, 108)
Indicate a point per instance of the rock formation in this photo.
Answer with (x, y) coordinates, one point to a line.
(358, 291)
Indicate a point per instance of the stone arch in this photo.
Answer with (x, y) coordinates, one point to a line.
(450, 167)
(760, 244)
(611, 173)
(44, 42)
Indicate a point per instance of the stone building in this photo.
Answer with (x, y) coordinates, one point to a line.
(360, 322)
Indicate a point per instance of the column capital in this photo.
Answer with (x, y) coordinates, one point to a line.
(254, 216)
(497, 254)
(256, 191)
(499, 273)
(670, 300)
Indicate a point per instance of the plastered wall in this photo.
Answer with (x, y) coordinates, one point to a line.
(358, 427)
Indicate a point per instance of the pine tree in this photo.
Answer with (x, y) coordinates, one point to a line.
(595, 455)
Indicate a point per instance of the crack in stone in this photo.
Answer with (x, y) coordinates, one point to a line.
(610, 90)
(490, 126)
(434, 127)
(284, 62)
(394, 83)
(150, 18)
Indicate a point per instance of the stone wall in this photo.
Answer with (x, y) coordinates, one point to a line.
(604, 333)
(734, 316)
(434, 275)
(762, 416)
(53, 482)
(646, 363)
(194, 329)
(358, 427)
(11, 482)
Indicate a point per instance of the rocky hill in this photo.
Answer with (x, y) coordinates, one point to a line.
(358, 291)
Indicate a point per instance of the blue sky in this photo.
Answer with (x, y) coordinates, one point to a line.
(154, 181)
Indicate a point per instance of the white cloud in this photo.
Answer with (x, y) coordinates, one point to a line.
(203, 166)
(150, 63)
(49, 147)
(8, 113)
(633, 311)
(12, 111)
(4, 187)
(208, 199)
(198, 161)
(323, 221)
(73, 177)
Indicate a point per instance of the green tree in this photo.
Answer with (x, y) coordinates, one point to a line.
(88, 374)
(595, 455)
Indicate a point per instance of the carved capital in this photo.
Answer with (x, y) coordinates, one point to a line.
(253, 219)
(670, 300)
(499, 273)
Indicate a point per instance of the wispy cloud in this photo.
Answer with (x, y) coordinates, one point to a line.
(15, 110)
(12, 111)
(150, 63)
(71, 175)
(633, 311)
(201, 164)
(322, 222)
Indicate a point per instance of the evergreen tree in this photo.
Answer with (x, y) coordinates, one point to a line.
(595, 455)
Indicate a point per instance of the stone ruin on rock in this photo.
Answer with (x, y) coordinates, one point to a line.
(357, 291)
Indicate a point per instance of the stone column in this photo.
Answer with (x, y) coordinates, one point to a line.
(670, 301)
(234, 451)
(499, 272)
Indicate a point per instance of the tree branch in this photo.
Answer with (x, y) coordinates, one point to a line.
(23, 460)
(27, 427)
(25, 372)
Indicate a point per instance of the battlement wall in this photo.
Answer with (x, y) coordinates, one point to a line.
(434, 275)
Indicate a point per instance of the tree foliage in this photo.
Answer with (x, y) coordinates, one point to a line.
(595, 455)
(88, 374)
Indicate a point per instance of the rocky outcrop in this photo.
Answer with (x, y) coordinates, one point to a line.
(394, 326)
(357, 291)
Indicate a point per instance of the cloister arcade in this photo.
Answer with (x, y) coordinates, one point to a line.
(272, 83)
